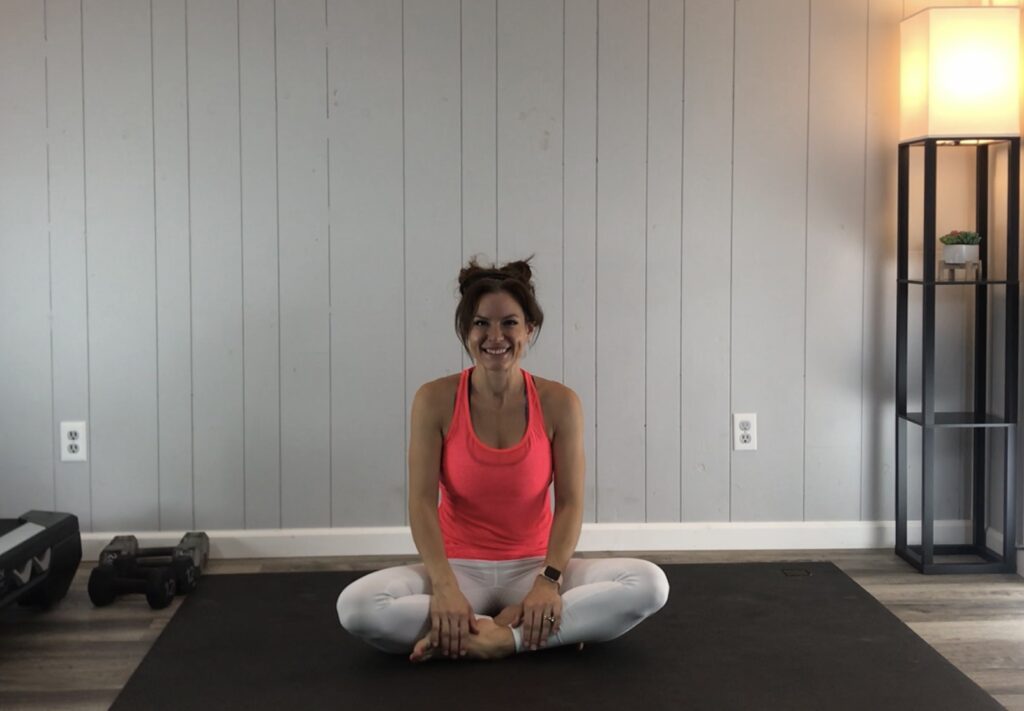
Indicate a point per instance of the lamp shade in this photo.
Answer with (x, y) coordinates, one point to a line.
(960, 73)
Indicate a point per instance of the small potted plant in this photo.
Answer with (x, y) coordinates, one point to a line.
(960, 246)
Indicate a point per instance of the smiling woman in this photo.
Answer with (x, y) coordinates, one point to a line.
(491, 440)
(497, 297)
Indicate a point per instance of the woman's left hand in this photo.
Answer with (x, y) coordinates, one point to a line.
(542, 614)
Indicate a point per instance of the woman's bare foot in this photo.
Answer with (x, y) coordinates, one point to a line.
(493, 641)
(423, 652)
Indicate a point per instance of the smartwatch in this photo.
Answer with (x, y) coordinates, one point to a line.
(553, 574)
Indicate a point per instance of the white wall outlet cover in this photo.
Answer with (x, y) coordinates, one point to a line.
(73, 442)
(744, 431)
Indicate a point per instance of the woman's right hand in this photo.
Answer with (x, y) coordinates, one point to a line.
(451, 620)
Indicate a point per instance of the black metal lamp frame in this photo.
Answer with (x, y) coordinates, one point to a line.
(979, 420)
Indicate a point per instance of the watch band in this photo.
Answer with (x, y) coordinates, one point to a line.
(553, 574)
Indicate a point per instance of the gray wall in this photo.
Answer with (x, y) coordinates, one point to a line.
(229, 236)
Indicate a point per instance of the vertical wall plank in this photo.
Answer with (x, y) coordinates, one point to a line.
(121, 263)
(368, 362)
(215, 202)
(479, 129)
(835, 259)
(664, 268)
(706, 259)
(67, 240)
(174, 305)
(26, 439)
(432, 197)
(530, 159)
(878, 355)
(261, 323)
(580, 195)
(305, 265)
(479, 126)
(769, 238)
(621, 195)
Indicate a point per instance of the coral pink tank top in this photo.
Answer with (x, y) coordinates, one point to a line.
(494, 502)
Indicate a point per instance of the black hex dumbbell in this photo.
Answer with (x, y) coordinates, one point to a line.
(118, 573)
(187, 559)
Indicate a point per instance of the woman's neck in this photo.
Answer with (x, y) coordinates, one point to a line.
(497, 387)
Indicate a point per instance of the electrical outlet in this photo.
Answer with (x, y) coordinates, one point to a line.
(744, 430)
(73, 442)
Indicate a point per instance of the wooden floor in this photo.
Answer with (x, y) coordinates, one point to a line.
(78, 657)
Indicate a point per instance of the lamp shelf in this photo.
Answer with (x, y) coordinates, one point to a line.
(956, 282)
(991, 561)
(954, 141)
(958, 419)
(982, 424)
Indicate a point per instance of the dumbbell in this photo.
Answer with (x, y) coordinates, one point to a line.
(124, 566)
(107, 582)
(187, 558)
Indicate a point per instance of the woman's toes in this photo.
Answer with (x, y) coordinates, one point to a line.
(422, 651)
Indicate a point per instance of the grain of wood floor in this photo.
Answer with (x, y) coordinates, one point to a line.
(78, 657)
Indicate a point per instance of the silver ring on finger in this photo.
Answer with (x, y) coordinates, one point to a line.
(549, 618)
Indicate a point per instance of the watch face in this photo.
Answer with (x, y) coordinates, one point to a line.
(552, 573)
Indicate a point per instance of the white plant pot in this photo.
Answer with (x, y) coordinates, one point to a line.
(959, 253)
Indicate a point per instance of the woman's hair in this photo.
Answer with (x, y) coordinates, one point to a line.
(514, 278)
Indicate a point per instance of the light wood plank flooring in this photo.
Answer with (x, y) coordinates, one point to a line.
(78, 657)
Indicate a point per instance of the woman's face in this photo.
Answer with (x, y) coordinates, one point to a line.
(499, 335)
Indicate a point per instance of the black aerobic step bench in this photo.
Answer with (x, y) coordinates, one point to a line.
(39, 554)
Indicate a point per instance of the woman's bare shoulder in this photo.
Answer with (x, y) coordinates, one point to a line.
(440, 387)
(557, 400)
(439, 395)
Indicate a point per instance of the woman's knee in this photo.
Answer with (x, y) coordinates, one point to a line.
(356, 610)
(655, 586)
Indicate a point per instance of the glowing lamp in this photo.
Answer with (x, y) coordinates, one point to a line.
(960, 73)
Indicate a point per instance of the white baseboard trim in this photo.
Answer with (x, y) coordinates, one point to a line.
(397, 540)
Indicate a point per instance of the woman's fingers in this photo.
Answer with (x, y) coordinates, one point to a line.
(464, 634)
(533, 624)
(545, 629)
(456, 626)
(435, 630)
(446, 635)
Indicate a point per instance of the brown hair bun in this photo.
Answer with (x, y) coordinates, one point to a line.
(474, 272)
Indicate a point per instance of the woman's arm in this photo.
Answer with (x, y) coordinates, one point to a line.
(451, 616)
(543, 600)
(425, 443)
(568, 454)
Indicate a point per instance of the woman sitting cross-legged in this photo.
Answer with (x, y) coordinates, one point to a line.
(497, 576)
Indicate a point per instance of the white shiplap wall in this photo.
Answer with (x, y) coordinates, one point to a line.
(229, 236)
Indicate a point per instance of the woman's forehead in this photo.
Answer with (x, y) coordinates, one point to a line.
(498, 305)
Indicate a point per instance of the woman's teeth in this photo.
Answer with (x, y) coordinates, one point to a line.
(500, 351)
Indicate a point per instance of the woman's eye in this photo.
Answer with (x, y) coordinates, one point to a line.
(478, 322)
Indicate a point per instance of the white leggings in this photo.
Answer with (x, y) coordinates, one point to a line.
(602, 598)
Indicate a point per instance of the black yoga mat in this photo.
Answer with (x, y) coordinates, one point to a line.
(732, 636)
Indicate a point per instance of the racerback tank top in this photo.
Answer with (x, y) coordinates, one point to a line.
(495, 503)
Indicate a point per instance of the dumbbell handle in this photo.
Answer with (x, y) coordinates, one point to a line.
(155, 561)
(151, 552)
